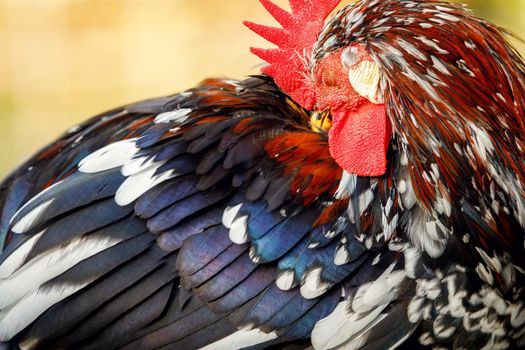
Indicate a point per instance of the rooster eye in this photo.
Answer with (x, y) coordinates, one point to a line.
(330, 78)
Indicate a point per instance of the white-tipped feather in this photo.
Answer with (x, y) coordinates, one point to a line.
(348, 321)
(136, 165)
(178, 115)
(342, 256)
(17, 258)
(241, 339)
(49, 265)
(482, 141)
(112, 156)
(286, 280)
(15, 217)
(422, 228)
(361, 340)
(239, 230)
(379, 292)
(517, 317)
(254, 257)
(312, 284)
(18, 317)
(415, 309)
(412, 261)
(340, 326)
(346, 186)
(138, 184)
(230, 213)
(27, 222)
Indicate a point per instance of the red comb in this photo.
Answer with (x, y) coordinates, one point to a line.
(295, 40)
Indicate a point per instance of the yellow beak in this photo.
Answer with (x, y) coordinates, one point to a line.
(320, 121)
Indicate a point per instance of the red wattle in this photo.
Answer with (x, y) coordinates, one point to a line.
(359, 139)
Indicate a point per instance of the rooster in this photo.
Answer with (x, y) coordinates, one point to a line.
(365, 192)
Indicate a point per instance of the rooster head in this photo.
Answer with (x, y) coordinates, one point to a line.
(344, 82)
(428, 74)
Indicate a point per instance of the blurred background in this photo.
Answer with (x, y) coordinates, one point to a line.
(62, 61)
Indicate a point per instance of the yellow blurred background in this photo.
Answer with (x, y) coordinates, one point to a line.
(62, 61)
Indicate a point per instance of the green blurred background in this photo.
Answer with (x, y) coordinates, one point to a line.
(62, 61)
